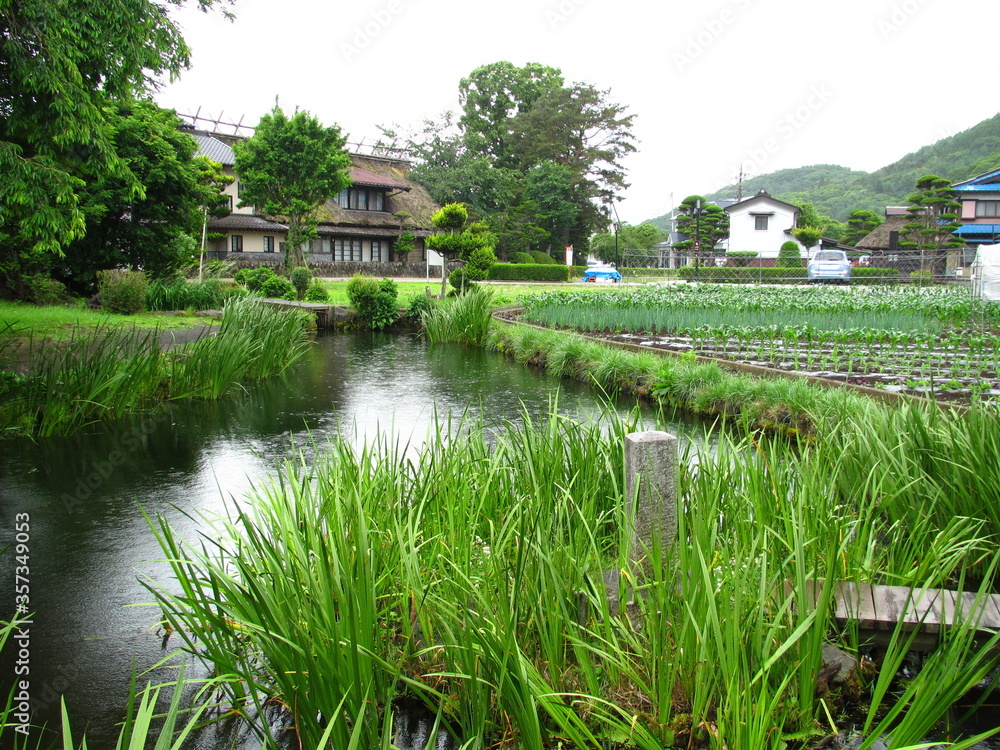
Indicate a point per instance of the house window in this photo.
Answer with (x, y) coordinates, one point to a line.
(230, 204)
(347, 250)
(236, 243)
(988, 208)
(268, 244)
(316, 245)
(376, 251)
(360, 199)
(760, 223)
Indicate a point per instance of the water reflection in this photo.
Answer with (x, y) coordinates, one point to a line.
(91, 547)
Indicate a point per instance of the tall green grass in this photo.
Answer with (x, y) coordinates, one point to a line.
(464, 319)
(108, 372)
(472, 576)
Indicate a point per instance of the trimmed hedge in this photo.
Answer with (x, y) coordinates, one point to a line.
(520, 257)
(542, 258)
(528, 272)
(657, 273)
(771, 275)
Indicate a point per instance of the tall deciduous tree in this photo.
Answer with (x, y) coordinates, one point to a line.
(60, 65)
(154, 231)
(933, 217)
(290, 167)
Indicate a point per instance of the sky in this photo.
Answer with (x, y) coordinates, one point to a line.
(714, 86)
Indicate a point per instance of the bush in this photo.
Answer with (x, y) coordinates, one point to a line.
(789, 256)
(419, 306)
(122, 292)
(317, 293)
(404, 246)
(300, 279)
(525, 272)
(44, 290)
(460, 281)
(742, 258)
(374, 301)
(541, 258)
(479, 263)
(520, 257)
(871, 275)
(254, 278)
(277, 287)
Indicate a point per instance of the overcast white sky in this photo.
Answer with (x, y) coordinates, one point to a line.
(770, 84)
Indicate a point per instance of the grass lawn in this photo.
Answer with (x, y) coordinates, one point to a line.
(503, 293)
(59, 321)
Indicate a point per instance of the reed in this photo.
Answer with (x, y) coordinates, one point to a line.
(464, 319)
(471, 575)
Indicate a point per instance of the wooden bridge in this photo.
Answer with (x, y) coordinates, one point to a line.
(323, 311)
(877, 610)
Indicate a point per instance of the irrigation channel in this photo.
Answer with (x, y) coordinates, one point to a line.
(91, 546)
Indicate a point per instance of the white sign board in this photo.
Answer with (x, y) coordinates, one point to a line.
(987, 272)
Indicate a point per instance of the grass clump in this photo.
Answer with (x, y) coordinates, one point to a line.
(465, 319)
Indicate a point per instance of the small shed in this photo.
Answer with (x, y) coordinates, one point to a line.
(986, 272)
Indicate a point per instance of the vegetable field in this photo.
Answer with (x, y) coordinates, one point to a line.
(939, 341)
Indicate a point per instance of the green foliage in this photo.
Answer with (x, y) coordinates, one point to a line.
(317, 293)
(706, 228)
(44, 290)
(463, 319)
(451, 217)
(859, 224)
(290, 167)
(642, 237)
(254, 278)
(522, 258)
(404, 246)
(537, 256)
(419, 306)
(480, 261)
(741, 257)
(528, 272)
(808, 236)
(789, 255)
(122, 292)
(374, 301)
(460, 281)
(277, 287)
(178, 294)
(719, 275)
(62, 65)
(300, 277)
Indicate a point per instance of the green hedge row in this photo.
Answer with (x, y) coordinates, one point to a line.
(528, 272)
(728, 274)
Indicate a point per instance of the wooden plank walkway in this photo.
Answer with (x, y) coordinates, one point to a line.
(321, 309)
(877, 609)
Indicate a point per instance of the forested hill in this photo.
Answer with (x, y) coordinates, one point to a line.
(836, 191)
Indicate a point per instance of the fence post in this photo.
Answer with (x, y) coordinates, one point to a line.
(650, 494)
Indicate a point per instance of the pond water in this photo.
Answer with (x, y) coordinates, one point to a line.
(90, 547)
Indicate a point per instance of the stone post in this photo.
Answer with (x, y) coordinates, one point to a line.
(650, 466)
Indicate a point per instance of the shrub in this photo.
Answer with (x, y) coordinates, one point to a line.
(374, 301)
(419, 306)
(538, 256)
(727, 274)
(525, 272)
(317, 293)
(789, 255)
(122, 292)
(479, 263)
(404, 246)
(742, 258)
(254, 278)
(872, 275)
(277, 287)
(44, 290)
(460, 280)
(300, 279)
(520, 257)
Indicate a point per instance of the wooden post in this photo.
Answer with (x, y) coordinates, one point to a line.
(650, 495)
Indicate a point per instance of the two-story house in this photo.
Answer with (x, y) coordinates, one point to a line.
(361, 225)
(762, 224)
(980, 212)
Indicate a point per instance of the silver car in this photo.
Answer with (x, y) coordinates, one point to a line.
(829, 265)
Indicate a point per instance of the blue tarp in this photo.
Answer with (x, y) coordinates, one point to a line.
(601, 273)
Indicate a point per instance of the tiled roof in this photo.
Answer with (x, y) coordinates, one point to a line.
(246, 222)
(214, 149)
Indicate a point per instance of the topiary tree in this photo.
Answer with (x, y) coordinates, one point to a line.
(480, 261)
(789, 255)
(404, 246)
(934, 216)
(859, 224)
(455, 239)
(300, 278)
(809, 237)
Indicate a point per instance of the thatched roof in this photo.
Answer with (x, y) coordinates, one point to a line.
(404, 196)
(878, 238)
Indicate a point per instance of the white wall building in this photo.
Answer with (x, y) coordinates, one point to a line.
(762, 224)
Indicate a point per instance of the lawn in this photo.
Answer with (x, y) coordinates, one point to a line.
(57, 322)
(504, 293)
